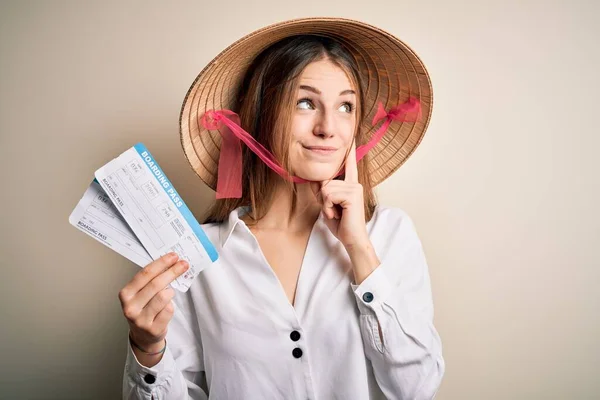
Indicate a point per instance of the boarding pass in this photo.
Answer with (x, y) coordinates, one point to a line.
(133, 208)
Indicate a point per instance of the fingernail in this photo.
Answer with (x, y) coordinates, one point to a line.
(185, 264)
(172, 256)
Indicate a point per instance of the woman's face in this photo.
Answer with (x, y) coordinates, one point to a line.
(323, 123)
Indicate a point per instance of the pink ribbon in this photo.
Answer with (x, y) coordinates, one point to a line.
(409, 112)
(229, 175)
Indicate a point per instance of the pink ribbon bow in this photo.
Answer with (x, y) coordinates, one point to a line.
(229, 175)
(405, 112)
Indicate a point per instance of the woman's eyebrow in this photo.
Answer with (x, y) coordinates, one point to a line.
(317, 91)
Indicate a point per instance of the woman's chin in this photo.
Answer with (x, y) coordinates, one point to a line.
(316, 175)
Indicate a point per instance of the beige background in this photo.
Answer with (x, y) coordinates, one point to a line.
(504, 189)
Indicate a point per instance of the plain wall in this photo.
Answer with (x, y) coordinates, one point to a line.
(503, 189)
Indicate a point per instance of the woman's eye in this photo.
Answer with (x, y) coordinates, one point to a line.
(347, 107)
(307, 104)
(304, 104)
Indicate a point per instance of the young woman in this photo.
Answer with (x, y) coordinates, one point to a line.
(319, 292)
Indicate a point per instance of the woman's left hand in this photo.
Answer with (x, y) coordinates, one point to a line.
(343, 205)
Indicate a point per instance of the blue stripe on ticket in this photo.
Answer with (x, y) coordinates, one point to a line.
(166, 184)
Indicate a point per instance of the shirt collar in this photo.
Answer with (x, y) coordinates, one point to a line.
(227, 227)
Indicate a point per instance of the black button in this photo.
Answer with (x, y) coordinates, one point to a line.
(150, 379)
(297, 352)
(368, 297)
(295, 336)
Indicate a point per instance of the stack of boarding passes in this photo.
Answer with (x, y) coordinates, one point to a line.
(132, 207)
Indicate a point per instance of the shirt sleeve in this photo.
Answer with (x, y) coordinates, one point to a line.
(396, 315)
(180, 373)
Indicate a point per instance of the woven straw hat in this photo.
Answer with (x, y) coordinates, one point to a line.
(391, 72)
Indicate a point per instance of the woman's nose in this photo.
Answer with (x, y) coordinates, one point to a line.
(324, 126)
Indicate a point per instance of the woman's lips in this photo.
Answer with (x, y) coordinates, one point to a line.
(325, 150)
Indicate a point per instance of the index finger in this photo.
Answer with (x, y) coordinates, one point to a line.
(151, 271)
(351, 172)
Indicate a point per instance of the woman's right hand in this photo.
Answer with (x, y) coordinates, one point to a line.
(146, 301)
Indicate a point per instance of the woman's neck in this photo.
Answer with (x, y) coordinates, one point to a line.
(280, 217)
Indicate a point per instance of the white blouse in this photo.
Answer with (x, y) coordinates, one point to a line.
(235, 335)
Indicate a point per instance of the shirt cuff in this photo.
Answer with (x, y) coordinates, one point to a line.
(149, 378)
(373, 291)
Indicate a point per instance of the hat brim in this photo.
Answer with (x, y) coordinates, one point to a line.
(391, 71)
